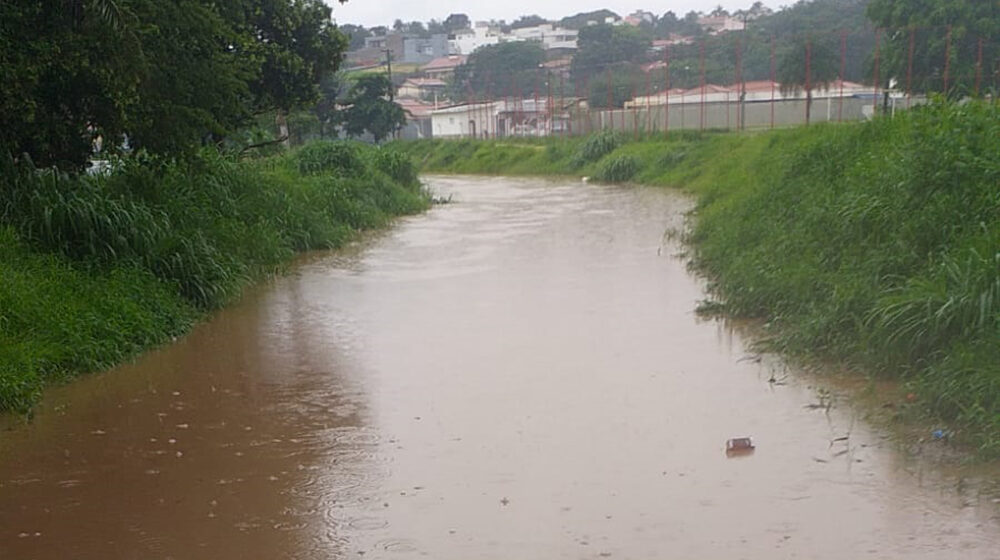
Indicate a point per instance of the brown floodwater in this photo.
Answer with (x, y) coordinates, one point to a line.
(518, 374)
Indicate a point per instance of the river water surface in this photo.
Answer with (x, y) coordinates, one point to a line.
(517, 375)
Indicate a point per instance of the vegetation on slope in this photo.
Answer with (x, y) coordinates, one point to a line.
(876, 245)
(97, 268)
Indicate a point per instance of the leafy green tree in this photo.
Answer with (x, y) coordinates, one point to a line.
(601, 46)
(583, 19)
(506, 68)
(169, 76)
(528, 21)
(968, 20)
(806, 65)
(624, 82)
(369, 109)
(356, 34)
(62, 88)
(454, 22)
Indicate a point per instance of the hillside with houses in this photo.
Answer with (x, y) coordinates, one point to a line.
(748, 68)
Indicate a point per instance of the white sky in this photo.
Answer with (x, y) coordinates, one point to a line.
(371, 13)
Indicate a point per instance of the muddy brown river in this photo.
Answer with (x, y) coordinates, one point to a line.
(519, 374)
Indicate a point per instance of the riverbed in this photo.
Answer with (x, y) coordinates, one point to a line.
(519, 373)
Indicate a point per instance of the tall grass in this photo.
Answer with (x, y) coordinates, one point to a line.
(96, 268)
(876, 245)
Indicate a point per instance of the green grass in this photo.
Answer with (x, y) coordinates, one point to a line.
(98, 268)
(873, 245)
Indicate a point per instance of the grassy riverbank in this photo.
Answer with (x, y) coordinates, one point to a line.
(873, 245)
(98, 268)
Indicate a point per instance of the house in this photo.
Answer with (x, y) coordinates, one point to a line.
(559, 67)
(444, 67)
(429, 89)
(421, 50)
(550, 36)
(465, 120)
(393, 42)
(639, 17)
(720, 24)
(464, 41)
(418, 119)
(504, 117)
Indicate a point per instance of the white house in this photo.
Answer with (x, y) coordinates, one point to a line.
(464, 41)
(503, 117)
(550, 36)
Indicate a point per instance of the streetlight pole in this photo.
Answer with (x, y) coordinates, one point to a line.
(388, 65)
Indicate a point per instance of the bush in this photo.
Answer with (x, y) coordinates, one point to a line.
(617, 169)
(596, 146)
(97, 268)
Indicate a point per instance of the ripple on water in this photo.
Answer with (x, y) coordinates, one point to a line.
(367, 523)
(399, 546)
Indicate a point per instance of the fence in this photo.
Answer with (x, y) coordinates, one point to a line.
(733, 81)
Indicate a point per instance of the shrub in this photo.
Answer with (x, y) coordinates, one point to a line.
(617, 169)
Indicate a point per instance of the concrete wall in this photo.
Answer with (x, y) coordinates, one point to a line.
(691, 115)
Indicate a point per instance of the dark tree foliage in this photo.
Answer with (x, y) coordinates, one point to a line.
(602, 46)
(167, 75)
(60, 86)
(369, 109)
(938, 55)
(454, 22)
(528, 21)
(356, 34)
(795, 75)
(581, 20)
(500, 70)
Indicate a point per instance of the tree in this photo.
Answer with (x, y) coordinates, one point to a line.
(952, 27)
(601, 46)
(454, 22)
(511, 68)
(369, 109)
(624, 82)
(583, 19)
(168, 75)
(63, 88)
(356, 34)
(806, 65)
(528, 21)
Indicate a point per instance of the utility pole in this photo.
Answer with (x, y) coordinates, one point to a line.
(388, 65)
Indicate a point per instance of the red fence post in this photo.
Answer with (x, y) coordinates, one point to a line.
(646, 126)
(635, 115)
(772, 81)
(666, 91)
(808, 76)
(611, 100)
(979, 65)
(739, 82)
(878, 36)
(843, 66)
(909, 70)
(701, 71)
(947, 59)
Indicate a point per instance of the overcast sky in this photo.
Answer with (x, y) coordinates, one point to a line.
(370, 13)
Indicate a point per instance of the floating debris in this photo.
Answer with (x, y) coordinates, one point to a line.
(739, 446)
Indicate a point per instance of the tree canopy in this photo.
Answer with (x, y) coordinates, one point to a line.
(946, 38)
(504, 68)
(369, 109)
(168, 76)
(601, 46)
